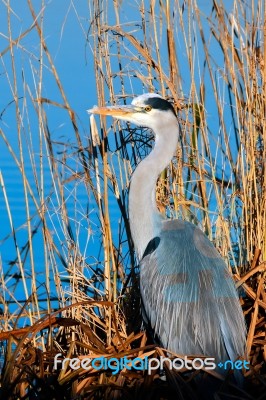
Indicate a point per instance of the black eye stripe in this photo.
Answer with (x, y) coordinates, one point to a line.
(159, 104)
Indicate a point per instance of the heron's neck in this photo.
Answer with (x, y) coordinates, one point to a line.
(144, 217)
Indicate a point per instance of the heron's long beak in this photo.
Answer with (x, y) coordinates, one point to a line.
(115, 111)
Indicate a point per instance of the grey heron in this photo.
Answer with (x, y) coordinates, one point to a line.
(188, 294)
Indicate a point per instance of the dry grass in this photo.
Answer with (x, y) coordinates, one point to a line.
(212, 68)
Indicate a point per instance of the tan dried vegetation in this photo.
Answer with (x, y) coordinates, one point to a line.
(212, 67)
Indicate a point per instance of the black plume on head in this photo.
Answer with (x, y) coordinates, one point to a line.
(159, 104)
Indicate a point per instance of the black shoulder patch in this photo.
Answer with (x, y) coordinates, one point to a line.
(151, 246)
(160, 104)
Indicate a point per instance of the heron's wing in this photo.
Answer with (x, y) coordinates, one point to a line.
(189, 295)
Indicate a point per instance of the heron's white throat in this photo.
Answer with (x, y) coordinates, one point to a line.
(144, 216)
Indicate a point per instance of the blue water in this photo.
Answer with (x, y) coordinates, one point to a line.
(65, 35)
(66, 26)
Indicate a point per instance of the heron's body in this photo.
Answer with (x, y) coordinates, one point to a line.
(201, 311)
(188, 294)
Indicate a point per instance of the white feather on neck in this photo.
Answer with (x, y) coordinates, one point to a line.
(144, 218)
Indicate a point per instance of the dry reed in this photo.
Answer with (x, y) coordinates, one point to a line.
(203, 64)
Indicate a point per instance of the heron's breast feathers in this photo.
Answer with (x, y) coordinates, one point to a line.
(183, 276)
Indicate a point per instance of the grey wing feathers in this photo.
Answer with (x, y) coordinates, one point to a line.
(183, 276)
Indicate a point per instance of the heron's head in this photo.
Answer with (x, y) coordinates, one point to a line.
(148, 110)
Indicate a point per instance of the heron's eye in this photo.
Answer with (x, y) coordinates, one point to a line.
(147, 108)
